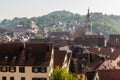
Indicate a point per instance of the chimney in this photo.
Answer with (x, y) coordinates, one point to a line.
(99, 48)
(112, 50)
(105, 43)
(91, 56)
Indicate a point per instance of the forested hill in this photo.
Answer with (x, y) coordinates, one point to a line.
(101, 22)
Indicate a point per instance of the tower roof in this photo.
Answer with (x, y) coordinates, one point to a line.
(88, 14)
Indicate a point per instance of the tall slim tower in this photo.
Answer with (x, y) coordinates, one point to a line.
(88, 24)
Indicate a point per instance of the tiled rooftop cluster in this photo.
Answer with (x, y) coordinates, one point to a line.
(25, 53)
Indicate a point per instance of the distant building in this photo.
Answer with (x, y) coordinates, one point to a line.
(91, 40)
(83, 60)
(113, 41)
(60, 35)
(28, 61)
(86, 28)
(34, 27)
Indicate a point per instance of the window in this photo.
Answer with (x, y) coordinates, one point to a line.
(39, 69)
(22, 78)
(4, 68)
(43, 69)
(12, 69)
(35, 78)
(39, 78)
(11, 78)
(42, 78)
(4, 78)
(22, 69)
(35, 69)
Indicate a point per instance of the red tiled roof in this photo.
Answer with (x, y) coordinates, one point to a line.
(105, 51)
(109, 74)
(38, 54)
(115, 54)
(59, 57)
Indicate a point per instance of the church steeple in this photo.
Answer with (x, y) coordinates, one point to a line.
(88, 16)
(88, 23)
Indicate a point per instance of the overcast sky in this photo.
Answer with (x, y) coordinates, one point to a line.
(30, 8)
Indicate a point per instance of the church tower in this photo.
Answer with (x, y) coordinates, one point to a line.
(88, 24)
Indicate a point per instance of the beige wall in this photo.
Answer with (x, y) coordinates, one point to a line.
(28, 74)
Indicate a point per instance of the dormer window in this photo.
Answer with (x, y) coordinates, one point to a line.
(23, 58)
(14, 57)
(83, 59)
(6, 57)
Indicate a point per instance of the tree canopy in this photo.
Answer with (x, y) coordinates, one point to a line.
(107, 24)
(62, 74)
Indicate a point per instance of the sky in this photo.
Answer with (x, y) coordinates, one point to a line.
(34, 8)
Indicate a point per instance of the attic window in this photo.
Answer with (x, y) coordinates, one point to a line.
(6, 57)
(14, 57)
(83, 59)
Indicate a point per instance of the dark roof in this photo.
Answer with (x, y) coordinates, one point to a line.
(94, 63)
(39, 40)
(93, 50)
(59, 57)
(93, 36)
(113, 74)
(28, 54)
(114, 36)
(59, 35)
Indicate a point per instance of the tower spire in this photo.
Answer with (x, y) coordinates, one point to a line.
(88, 23)
(88, 17)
